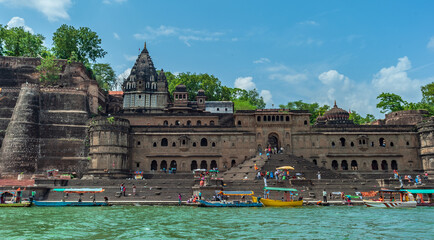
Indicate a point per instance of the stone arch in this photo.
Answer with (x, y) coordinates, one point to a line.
(173, 164)
(305, 122)
(193, 165)
(198, 123)
(258, 118)
(273, 140)
(344, 165)
(239, 123)
(213, 144)
(213, 164)
(374, 165)
(211, 123)
(384, 165)
(154, 165)
(166, 123)
(315, 162)
(382, 142)
(394, 165)
(203, 164)
(287, 118)
(335, 165)
(203, 142)
(164, 142)
(163, 165)
(173, 144)
(233, 163)
(354, 165)
(188, 123)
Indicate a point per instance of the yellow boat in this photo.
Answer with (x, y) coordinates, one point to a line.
(287, 200)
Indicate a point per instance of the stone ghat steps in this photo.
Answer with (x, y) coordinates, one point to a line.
(244, 169)
(16, 183)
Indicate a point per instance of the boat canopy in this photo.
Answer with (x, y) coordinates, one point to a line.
(280, 189)
(236, 193)
(420, 191)
(285, 168)
(79, 190)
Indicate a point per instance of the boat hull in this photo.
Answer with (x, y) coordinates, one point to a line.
(23, 204)
(69, 204)
(388, 204)
(203, 203)
(278, 203)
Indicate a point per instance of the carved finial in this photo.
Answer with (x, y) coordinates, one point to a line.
(335, 105)
(145, 45)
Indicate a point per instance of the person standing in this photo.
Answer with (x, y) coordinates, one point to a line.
(200, 195)
(121, 188)
(319, 175)
(324, 195)
(134, 190)
(179, 199)
(124, 190)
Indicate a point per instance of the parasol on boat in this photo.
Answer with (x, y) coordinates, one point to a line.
(285, 168)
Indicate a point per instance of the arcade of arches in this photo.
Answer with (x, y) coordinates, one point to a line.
(161, 165)
(354, 165)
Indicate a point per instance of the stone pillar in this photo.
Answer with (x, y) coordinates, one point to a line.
(109, 147)
(426, 137)
(20, 148)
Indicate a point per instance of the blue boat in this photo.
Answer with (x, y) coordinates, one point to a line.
(242, 203)
(78, 203)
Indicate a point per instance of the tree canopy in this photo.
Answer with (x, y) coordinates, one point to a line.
(358, 119)
(214, 90)
(314, 108)
(18, 42)
(104, 75)
(390, 102)
(81, 45)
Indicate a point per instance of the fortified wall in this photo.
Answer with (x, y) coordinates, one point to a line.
(45, 127)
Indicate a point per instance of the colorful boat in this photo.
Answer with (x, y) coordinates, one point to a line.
(78, 203)
(405, 200)
(15, 200)
(288, 199)
(226, 194)
(419, 194)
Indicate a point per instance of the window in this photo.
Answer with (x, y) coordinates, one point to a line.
(342, 140)
(333, 144)
(394, 165)
(138, 143)
(213, 144)
(203, 164)
(165, 123)
(173, 144)
(173, 164)
(218, 109)
(382, 142)
(335, 165)
(140, 96)
(315, 162)
(194, 144)
(374, 165)
(164, 142)
(137, 164)
(203, 142)
(239, 123)
(344, 165)
(163, 165)
(193, 165)
(391, 144)
(258, 118)
(305, 122)
(287, 118)
(352, 144)
(273, 118)
(354, 165)
(177, 122)
(408, 143)
(188, 123)
(213, 164)
(211, 123)
(384, 166)
(183, 142)
(265, 118)
(233, 163)
(154, 165)
(269, 118)
(198, 123)
(154, 144)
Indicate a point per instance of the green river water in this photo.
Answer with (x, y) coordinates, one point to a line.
(171, 222)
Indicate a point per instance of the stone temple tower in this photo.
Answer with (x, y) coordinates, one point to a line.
(145, 90)
(426, 137)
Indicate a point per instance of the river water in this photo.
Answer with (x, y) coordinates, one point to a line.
(171, 222)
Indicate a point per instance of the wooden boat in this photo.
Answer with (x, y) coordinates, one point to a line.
(405, 200)
(287, 201)
(419, 195)
(78, 203)
(223, 203)
(15, 200)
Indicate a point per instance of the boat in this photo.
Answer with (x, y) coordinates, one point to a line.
(78, 203)
(15, 200)
(405, 200)
(288, 199)
(419, 195)
(226, 194)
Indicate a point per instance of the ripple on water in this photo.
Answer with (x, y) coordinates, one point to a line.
(148, 222)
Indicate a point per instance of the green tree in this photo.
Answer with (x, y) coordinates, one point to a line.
(104, 75)
(428, 93)
(49, 70)
(249, 96)
(358, 119)
(82, 45)
(18, 42)
(314, 109)
(390, 102)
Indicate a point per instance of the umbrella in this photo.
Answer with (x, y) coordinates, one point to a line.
(285, 168)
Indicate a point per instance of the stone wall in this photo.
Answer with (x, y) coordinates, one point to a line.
(426, 135)
(407, 117)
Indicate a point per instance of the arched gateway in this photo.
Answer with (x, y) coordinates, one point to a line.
(273, 140)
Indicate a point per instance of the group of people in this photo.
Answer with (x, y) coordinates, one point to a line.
(417, 180)
(278, 175)
(123, 189)
(271, 150)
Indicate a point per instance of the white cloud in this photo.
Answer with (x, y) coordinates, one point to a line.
(430, 44)
(333, 77)
(184, 34)
(245, 83)
(130, 58)
(116, 36)
(267, 96)
(19, 22)
(395, 79)
(262, 60)
(309, 22)
(54, 10)
(290, 78)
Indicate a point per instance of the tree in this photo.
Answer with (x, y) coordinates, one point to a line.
(390, 102)
(314, 109)
(80, 44)
(17, 42)
(358, 119)
(49, 70)
(428, 93)
(104, 75)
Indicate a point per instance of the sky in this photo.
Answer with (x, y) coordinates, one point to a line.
(314, 51)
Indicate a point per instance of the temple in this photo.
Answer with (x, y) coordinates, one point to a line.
(143, 128)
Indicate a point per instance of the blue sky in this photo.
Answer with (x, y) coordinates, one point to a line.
(315, 51)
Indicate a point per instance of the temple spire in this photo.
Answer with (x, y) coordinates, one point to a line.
(145, 46)
(335, 105)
